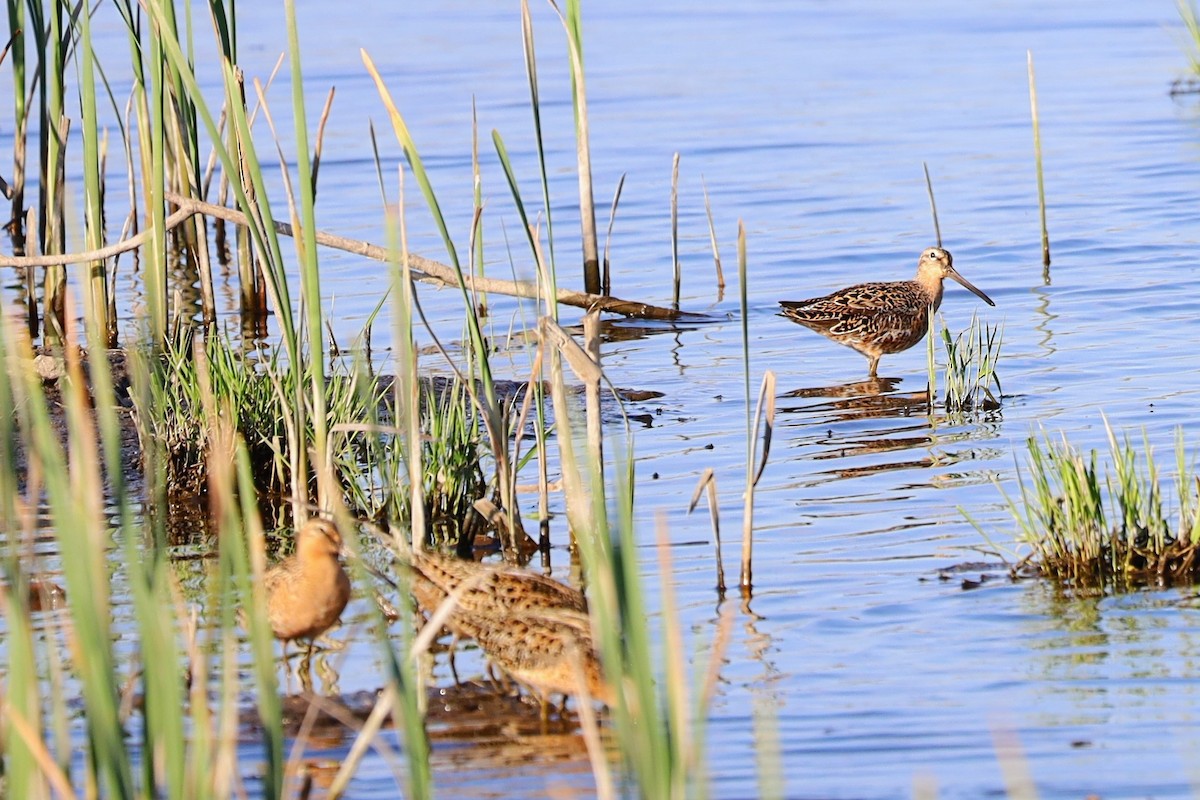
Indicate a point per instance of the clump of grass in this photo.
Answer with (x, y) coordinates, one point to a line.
(970, 376)
(370, 468)
(1097, 528)
(452, 450)
(172, 413)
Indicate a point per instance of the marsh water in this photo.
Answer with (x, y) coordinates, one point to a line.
(862, 653)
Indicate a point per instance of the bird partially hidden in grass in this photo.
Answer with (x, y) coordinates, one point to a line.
(532, 627)
(881, 318)
(308, 590)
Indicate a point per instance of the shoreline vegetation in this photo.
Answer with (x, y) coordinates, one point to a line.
(272, 431)
(290, 428)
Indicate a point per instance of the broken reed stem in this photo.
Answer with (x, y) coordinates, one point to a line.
(937, 229)
(423, 269)
(606, 278)
(1037, 155)
(708, 481)
(765, 413)
(712, 237)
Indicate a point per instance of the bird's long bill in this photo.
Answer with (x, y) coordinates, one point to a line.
(977, 292)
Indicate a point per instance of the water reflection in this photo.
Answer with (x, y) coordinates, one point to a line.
(1098, 647)
(867, 399)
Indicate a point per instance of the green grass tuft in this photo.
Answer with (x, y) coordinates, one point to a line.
(1100, 527)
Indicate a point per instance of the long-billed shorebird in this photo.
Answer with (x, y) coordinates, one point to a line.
(532, 627)
(877, 319)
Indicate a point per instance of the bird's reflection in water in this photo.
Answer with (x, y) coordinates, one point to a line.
(872, 398)
(823, 433)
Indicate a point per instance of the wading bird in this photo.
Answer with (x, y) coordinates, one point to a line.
(880, 318)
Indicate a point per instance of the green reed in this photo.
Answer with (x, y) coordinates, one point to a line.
(659, 728)
(97, 271)
(572, 22)
(403, 672)
(1037, 154)
(179, 752)
(16, 58)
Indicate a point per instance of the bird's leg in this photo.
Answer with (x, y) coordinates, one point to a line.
(562, 708)
(305, 668)
(494, 681)
(287, 670)
(453, 667)
(874, 366)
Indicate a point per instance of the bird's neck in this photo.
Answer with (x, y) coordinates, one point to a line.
(931, 286)
(318, 557)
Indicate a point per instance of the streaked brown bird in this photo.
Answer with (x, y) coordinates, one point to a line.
(532, 627)
(878, 319)
(308, 590)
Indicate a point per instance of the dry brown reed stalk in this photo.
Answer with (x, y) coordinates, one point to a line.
(708, 481)
(316, 161)
(589, 726)
(676, 268)
(368, 737)
(764, 413)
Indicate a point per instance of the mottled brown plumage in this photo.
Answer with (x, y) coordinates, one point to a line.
(308, 590)
(880, 318)
(532, 627)
(543, 647)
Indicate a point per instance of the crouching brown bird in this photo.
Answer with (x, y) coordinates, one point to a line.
(308, 590)
(881, 318)
(532, 627)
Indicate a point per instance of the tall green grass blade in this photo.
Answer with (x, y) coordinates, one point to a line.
(97, 277)
(573, 24)
(306, 243)
(16, 57)
(1037, 154)
(535, 107)
(407, 404)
